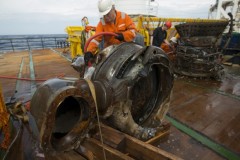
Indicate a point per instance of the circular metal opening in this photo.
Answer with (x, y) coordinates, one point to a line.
(71, 122)
(144, 95)
(67, 115)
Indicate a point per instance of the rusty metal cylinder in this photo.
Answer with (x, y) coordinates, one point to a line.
(63, 113)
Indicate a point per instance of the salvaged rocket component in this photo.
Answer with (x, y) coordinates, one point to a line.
(198, 54)
(201, 34)
(132, 85)
(63, 111)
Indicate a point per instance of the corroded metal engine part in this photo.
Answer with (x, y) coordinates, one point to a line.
(195, 29)
(198, 55)
(140, 80)
(132, 84)
(198, 62)
(63, 111)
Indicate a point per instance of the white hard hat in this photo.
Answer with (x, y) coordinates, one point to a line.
(173, 39)
(104, 6)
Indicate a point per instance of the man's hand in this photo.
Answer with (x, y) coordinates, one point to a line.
(88, 56)
(119, 37)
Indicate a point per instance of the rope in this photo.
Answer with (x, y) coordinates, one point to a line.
(92, 89)
(19, 111)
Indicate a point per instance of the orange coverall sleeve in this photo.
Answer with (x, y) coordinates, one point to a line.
(130, 33)
(93, 45)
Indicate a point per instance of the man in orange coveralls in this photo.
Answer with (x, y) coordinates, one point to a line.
(111, 21)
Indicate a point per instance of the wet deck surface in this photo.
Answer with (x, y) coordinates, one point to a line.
(212, 108)
(209, 107)
(46, 64)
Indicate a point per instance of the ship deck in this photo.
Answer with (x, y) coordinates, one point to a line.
(205, 107)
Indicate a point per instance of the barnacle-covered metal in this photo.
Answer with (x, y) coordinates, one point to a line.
(198, 53)
(132, 85)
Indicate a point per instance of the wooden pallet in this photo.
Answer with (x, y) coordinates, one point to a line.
(120, 146)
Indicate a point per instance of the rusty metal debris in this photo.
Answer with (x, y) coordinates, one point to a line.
(133, 85)
(198, 54)
(63, 110)
(134, 89)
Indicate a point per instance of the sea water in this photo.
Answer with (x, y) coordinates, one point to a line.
(27, 42)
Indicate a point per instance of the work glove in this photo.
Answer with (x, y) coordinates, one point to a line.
(119, 37)
(88, 57)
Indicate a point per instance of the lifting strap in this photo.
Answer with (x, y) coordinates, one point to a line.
(93, 92)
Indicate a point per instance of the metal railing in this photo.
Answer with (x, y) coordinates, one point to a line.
(18, 44)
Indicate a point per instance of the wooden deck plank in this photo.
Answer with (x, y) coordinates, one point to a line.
(206, 111)
(185, 147)
(47, 64)
(230, 134)
(10, 63)
(228, 85)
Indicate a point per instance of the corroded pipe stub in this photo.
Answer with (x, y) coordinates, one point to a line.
(63, 114)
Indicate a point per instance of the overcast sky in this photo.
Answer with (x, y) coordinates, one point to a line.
(53, 16)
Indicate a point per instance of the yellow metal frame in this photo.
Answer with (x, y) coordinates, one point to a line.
(146, 25)
(74, 37)
(159, 19)
(77, 36)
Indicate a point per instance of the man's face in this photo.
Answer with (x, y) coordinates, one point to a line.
(165, 27)
(110, 17)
